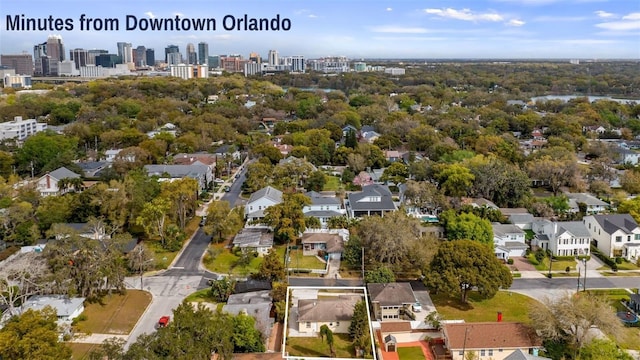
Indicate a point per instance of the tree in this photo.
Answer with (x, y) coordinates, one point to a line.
(553, 172)
(396, 173)
(182, 194)
(631, 207)
(110, 349)
(272, 268)
(359, 328)
(33, 335)
(45, 151)
(455, 179)
(350, 139)
(287, 218)
(597, 349)
(467, 226)
(221, 221)
(630, 181)
(316, 181)
(462, 265)
(222, 289)
(153, 217)
(327, 335)
(246, 338)
(570, 316)
(381, 275)
(20, 278)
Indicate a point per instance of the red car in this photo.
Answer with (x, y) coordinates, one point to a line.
(163, 321)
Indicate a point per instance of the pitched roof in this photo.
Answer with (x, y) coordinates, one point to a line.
(333, 242)
(395, 326)
(490, 335)
(588, 199)
(339, 308)
(360, 200)
(521, 355)
(501, 230)
(63, 173)
(177, 171)
(576, 228)
(268, 192)
(319, 199)
(253, 237)
(391, 293)
(63, 305)
(613, 222)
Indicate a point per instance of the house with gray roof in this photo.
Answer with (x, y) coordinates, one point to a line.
(508, 241)
(200, 172)
(255, 239)
(519, 217)
(323, 207)
(374, 199)
(335, 312)
(47, 185)
(93, 169)
(259, 201)
(390, 301)
(562, 238)
(330, 241)
(66, 308)
(616, 235)
(592, 204)
(256, 304)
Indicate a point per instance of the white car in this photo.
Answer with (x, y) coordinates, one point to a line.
(416, 307)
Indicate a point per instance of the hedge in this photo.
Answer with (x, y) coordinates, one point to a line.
(607, 260)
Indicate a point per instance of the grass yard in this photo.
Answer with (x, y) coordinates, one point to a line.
(332, 183)
(630, 338)
(79, 351)
(117, 314)
(410, 353)
(556, 265)
(626, 265)
(315, 347)
(162, 258)
(203, 295)
(514, 307)
(299, 261)
(619, 273)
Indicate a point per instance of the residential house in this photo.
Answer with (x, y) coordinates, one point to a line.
(47, 185)
(93, 169)
(564, 238)
(374, 199)
(323, 207)
(508, 241)
(261, 200)
(615, 235)
(94, 231)
(592, 204)
(489, 340)
(256, 304)
(330, 241)
(391, 301)
(166, 128)
(598, 129)
(110, 155)
(627, 156)
(521, 355)
(259, 240)
(66, 308)
(479, 202)
(347, 128)
(519, 217)
(228, 149)
(196, 159)
(201, 173)
(335, 312)
(369, 136)
(392, 155)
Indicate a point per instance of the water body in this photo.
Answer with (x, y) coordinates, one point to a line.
(566, 98)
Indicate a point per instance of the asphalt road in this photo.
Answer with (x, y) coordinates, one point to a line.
(543, 287)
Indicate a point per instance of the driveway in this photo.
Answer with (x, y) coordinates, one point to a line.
(522, 264)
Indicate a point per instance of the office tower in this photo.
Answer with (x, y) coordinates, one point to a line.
(273, 58)
(214, 61)
(91, 55)
(151, 57)
(170, 49)
(139, 56)
(55, 47)
(174, 58)
(298, 63)
(203, 53)
(125, 52)
(108, 60)
(192, 56)
(39, 50)
(21, 63)
(255, 57)
(80, 57)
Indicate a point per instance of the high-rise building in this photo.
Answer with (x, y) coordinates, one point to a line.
(80, 57)
(174, 58)
(273, 58)
(255, 57)
(125, 52)
(40, 50)
(192, 56)
(298, 64)
(55, 47)
(91, 57)
(170, 49)
(203, 53)
(140, 56)
(108, 60)
(150, 55)
(21, 63)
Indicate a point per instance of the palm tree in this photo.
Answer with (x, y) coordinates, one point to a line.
(327, 335)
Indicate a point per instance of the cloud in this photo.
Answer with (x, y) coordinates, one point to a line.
(150, 15)
(398, 30)
(465, 14)
(549, 18)
(312, 16)
(604, 14)
(515, 22)
(628, 22)
(389, 9)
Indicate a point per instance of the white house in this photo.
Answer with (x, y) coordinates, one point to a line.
(335, 312)
(259, 240)
(261, 200)
(330, 241)
(616, 235)
(110, 155)
(627, 156)
(508, 241)
(200, 172)
(20, 129)
(66, 308)
(372, 200)
(593, 204)
(564, 238)
(47, 185)
(323, 207)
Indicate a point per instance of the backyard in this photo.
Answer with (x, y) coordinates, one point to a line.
(221, 260)
(513, 306)
(79, 351)
(315, 347)
(299, 261)
(630, 337)
(410, 353)
(116, 314)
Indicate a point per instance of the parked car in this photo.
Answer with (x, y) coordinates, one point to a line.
(164, 320)
(416, 307)
(227, 189)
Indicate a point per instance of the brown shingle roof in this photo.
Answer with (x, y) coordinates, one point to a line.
(338, 309)
(395, 326)
(391, 294)
(490, 335)
(333, 241)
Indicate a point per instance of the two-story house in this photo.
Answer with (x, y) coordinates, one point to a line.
(261, 200)
(564, 238)
(49, 183)
(201, 173)
(508, 241)
(391, 301)
(374, 199)
(616, 235)
(323, 207)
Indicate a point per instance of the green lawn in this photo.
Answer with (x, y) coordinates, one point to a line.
(203, 295)
(514, 307)
(116, 314)
(332, 183)
(410, 353)
(299, 261)
(556, 265)
(79, 351)
(315, 347)
(630, 338)
(221, 260)
(626, 265)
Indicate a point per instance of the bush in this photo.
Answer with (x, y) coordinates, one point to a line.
(540, 255)
(618, 260)
(510, 261)
(567, 269)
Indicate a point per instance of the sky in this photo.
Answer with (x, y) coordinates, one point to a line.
(398, 29)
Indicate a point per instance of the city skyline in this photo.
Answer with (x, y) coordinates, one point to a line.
(514, 29)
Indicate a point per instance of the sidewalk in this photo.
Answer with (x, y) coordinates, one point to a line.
(96, 338)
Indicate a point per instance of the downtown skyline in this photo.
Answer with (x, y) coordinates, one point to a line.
(491, 29)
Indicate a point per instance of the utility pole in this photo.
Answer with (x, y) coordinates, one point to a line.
(362, 257)
(584, 283)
